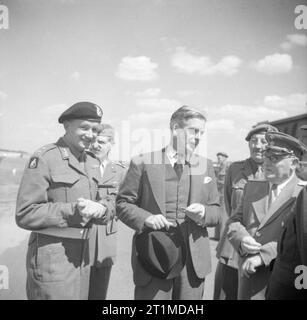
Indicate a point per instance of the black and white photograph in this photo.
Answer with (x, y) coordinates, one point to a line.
(153, 150)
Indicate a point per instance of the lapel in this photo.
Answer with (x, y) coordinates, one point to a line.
(284, 197)
(67, 154)
(109, 172)
(198, 170)
(156, 176)
(260, 206)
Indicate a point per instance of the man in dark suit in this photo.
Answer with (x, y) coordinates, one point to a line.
(287, 280)
(255, 227)
(173, 188)
(103, 237)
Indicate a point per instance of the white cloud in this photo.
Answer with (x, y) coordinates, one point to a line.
(186, 62)
(294, 40)
(152, 118)
(3, 95)
(54, 110)
(295, 102)
(186, 93)
(75, 76)
(159, 103)
(274, 64)
(221, 124)
(246, 115)
(137, 68)
(148, 93)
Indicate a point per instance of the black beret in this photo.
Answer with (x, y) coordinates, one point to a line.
(280, 143)
(224, 154)
(265, 127)
(162, 253)
(82, 110)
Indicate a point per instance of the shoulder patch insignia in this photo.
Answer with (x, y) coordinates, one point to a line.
(33, 163)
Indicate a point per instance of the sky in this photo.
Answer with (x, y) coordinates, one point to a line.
(240, 62)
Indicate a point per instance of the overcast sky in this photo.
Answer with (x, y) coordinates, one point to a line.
(240, 61)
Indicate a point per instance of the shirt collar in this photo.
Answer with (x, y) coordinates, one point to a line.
(171, 154)
(80, 155)
(104, 162)
(283, 184)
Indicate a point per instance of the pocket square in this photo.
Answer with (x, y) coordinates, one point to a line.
(207, 179)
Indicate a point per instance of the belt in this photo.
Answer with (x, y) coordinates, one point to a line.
(69, 232)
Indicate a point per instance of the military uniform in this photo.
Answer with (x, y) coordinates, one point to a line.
(221, 171)
(226, 276)
(291, 252)
(58, 256)
(103, 239)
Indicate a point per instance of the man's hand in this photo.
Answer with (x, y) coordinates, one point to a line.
(249, 245)
(196, 212)
(89, 209)
(250, 264)
(157, 222)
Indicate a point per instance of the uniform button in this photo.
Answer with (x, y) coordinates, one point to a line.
(258, 234)
(81, 231)
(282, 224)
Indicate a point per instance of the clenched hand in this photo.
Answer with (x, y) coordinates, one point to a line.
(89, 209)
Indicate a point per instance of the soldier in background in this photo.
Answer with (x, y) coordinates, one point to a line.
(103, 239)
(220, 172)
(239, 172)
(302, 169)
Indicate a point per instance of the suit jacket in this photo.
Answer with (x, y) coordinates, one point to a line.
(143, 194)
(253, 217)
(237, 176)
(291, 252)
(103, 236)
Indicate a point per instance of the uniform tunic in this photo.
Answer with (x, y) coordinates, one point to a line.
(58, 256)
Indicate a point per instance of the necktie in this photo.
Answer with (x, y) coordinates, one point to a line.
(259, 175)
(273, 194)
(178, 167)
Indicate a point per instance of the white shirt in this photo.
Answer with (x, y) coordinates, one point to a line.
(172, 155)
(103, 165)
(275, 193)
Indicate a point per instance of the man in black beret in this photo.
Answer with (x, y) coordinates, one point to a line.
(171, 191)
(57, 200)
(259, 219)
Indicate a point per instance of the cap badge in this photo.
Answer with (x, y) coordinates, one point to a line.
(99, 113)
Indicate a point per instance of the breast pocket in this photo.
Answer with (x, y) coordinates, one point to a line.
(60, 186)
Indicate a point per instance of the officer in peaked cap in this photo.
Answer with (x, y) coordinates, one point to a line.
(103, 238)
(256, 225)
(292, 244)
(282, 144)
(58, 200)
(238, 174)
